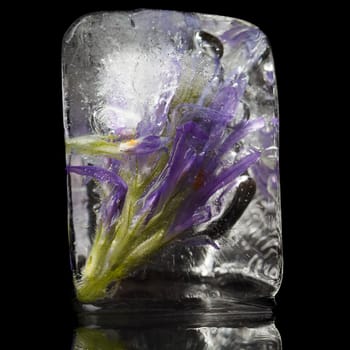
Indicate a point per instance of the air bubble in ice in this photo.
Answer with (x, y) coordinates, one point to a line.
(107, 119)
(209, 44)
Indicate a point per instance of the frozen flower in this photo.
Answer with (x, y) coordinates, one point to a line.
(159, 179)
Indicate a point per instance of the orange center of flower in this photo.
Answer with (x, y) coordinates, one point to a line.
(131, 143)
(199, 180)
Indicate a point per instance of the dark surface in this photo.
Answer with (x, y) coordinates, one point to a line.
(144, 313)
(43, 258)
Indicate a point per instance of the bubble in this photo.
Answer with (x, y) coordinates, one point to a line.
(209, 44)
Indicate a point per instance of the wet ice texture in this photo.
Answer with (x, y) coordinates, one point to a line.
(118, 68)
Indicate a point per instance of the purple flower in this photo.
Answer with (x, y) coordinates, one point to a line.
(228, 96)
(145, 145)
(197, 140)
(198, 148)
(186, 218)
(112, 204)
(242, 35)
(181, 136)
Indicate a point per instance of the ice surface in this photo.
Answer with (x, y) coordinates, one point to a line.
(122, 72)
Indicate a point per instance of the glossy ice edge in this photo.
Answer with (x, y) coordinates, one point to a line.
(276, 286)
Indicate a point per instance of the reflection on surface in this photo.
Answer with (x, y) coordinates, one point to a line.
(259, 337)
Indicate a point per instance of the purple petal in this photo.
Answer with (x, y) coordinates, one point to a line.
(240, 131)
(228, 175)
(112, 205)
(113, 165)
(250, 42)
(210, 183)
(146, 145)
(241, 35)
(201, 216)
(205, 116)
(235, 30)
(229, 95)
(185, 158)
(153, 125)
(209, 120)
(265, 177)
(124, 133)
(198, 217)
(99, 174)
(184, 219)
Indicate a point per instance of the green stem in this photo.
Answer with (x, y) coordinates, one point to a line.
(117, 252)
(90, 289)
(93, 146)
(127, 249)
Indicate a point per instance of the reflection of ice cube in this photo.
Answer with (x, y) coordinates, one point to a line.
(255, 338)
(258, 337)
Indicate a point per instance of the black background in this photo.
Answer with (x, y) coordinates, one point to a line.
(42, 281)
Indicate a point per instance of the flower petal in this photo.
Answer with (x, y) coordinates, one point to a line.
(240, 130)
(112, 205)
(229, 94)
(99, 174)
(146, 145)
(239, 35)
(185, 218)
(185, 158)
(228, 175)
(198, 217)
(212, 122)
